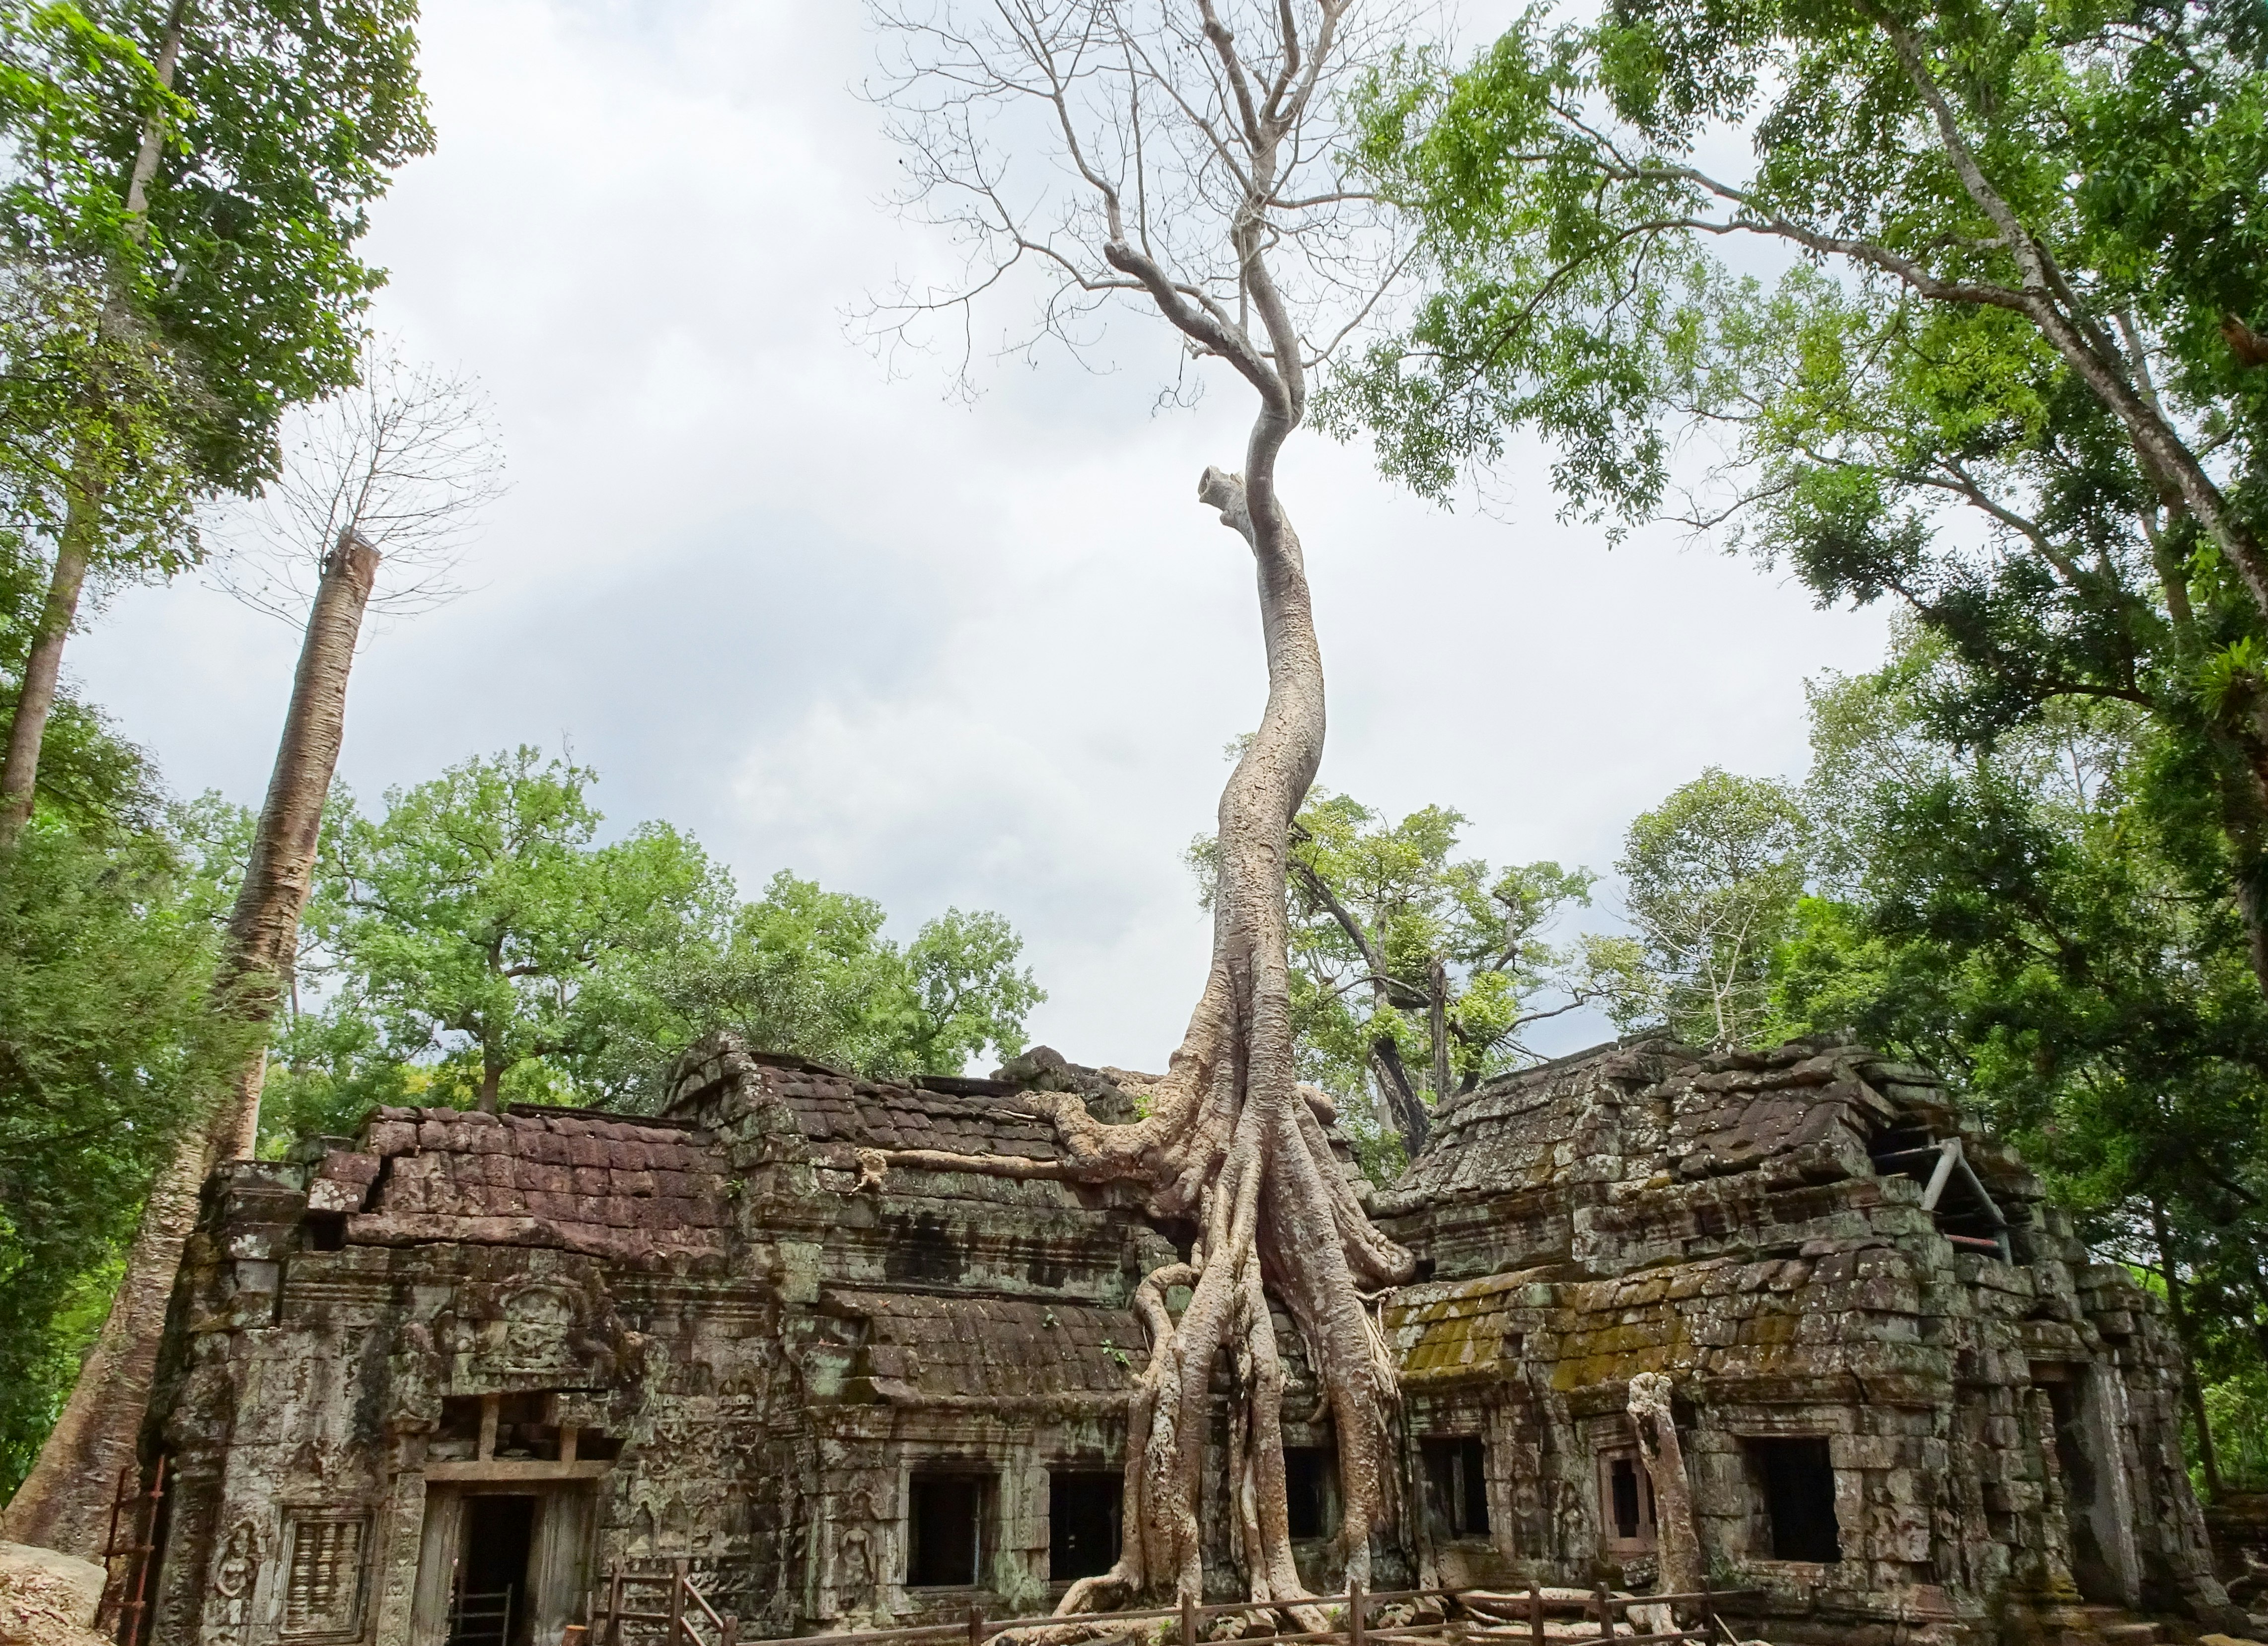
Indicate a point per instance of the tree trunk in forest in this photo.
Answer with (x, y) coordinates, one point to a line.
(63, 1504)
(1400, 1093)
(1233, 1141)
(263, 931)
(2243, 802)
(1228, 1141)
(20, 773)
(2178, 1307)
(1401, 1098)
(1437, 1024)
(84, 487)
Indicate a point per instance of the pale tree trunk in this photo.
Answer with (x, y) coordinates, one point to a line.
(1232, 1141)
(1677, 1545)
(84, 487)
(20, 773)
(263, 931)
(65, 1503)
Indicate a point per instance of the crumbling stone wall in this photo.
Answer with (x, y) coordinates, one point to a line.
(762, 1353)
(1721, 1220)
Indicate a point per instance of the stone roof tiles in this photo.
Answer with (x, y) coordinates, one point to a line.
(833, 1108)
(940, 1350)
(636, 1190)
(1621, 1112)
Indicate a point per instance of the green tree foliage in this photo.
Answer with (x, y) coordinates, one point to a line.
(174, 338)
(184, 185)
(1415, 972)
(110, 917)
(2063, 180)
(2045, 917)
(1714, 875)
(2013, 385)
(476, 944)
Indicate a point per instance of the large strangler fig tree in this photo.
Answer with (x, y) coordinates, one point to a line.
(1192, 160)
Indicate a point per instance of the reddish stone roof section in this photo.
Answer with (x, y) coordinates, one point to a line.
(835, 1114)
(637, 1191)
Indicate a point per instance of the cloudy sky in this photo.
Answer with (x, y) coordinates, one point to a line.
(829, 617)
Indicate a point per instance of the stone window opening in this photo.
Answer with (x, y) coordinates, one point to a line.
(1952, 1192)
(323, 1580)
(946, 1529)
(1626, 1521)
(1084, 1507)
(1456, 1485)
(1794, 1481)
(1311, 1491)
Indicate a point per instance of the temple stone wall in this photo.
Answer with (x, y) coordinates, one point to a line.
(554, 1344)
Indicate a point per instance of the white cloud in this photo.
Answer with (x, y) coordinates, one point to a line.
(932, 652)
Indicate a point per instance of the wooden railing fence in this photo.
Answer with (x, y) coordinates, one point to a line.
(683, 1609)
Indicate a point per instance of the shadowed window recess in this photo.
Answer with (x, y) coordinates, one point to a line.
(1796, 1483)
(1456, 1485)
(1311, 1490)
(1084, 1507)
(1625, 1503)
(946, 1533)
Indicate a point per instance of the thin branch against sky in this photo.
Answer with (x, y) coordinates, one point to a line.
(406, 461)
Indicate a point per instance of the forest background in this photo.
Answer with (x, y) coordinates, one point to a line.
(806, 682)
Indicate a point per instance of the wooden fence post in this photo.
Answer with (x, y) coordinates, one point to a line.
(1189, 1620)
(976, 1625)
(1605, 1614)
(1536, 1614)
(1354, 1614)
(676, 1601)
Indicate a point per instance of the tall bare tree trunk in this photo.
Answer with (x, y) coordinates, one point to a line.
(1232, 1141)
(64, 1501)
(84, 487)
(263, 931)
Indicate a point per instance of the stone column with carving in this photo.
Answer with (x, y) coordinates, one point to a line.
(1677, 1546)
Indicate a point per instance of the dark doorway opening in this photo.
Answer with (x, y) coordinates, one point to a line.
(1311, 1490)
(945, 1532)
(2090, 1568)
(1083, 1510)
(1798, 1483)
(490, 1605)
(1456, 1485)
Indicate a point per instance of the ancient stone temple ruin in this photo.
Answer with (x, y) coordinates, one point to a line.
(437, 1383)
